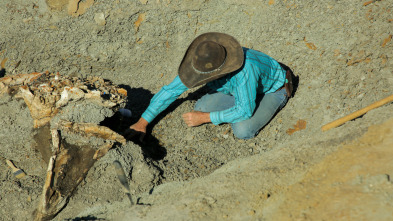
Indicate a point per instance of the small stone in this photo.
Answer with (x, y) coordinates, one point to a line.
(100, 19)
(360, 96)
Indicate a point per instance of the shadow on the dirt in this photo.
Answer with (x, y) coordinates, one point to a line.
(138, 100)
(295, 79)
(85, 218)
(151, 147)
(2, 72)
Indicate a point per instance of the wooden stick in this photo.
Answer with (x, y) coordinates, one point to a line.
(356, 114)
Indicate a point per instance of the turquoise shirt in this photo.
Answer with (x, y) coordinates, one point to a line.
(260, 74)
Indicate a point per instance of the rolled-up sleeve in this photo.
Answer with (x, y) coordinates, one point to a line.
(164, 98)
(244, 90)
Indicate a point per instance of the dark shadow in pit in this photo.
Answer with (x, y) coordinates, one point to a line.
(2, 72)
(150, 145)
(295, 79)
(85, 218)
(138, 101)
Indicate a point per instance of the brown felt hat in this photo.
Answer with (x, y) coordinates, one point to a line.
(209, 57)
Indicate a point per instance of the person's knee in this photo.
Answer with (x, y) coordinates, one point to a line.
(243, 132)
(201, 104)
(199, 107)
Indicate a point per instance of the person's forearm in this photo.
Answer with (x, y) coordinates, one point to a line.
(205, 117)
(140, 125)
(142, 122)
(163, 99)
(196, 118)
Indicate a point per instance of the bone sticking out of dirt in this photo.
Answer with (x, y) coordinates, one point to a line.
(48, 95)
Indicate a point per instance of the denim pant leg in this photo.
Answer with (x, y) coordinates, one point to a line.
(267, 106)
(216, 101)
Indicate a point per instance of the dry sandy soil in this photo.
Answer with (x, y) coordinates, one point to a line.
(341, 52)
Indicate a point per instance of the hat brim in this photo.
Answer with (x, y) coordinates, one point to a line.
(234, 59)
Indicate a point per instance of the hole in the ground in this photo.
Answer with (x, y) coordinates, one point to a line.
(2, 72)
(117, 122)
(150, 146)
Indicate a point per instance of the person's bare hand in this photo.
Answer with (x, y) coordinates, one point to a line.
(137, 129)
(196, 118)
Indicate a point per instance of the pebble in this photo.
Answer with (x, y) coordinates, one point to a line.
(99, 18)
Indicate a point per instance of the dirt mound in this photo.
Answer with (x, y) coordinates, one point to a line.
(352, 183)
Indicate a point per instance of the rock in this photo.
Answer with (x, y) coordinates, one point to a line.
(99, 18)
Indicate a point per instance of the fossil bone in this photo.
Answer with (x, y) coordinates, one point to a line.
(47, 95)
(90, 129)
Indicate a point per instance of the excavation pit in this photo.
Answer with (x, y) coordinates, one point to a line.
(340, 50)
(69, 117)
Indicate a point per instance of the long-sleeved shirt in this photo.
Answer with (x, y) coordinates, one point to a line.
(260, 74)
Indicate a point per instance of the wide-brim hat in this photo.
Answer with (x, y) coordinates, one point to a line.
(234, 58)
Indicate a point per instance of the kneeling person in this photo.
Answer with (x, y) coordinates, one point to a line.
(247, 86)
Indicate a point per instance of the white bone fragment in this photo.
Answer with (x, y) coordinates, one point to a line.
(68, 94)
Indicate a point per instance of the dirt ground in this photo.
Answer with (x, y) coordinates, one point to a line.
(341, 52)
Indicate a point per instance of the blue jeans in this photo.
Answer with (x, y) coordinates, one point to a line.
(266, 107)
